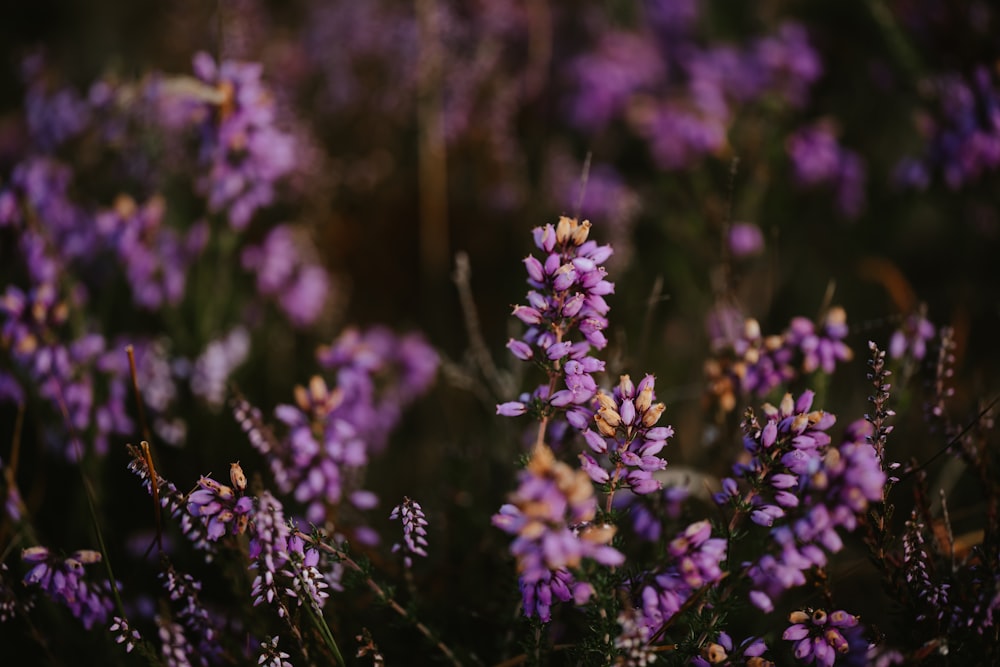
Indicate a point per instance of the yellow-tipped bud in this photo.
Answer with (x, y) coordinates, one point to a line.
(237, 477)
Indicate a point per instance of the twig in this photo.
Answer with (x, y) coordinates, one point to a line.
(481, 354)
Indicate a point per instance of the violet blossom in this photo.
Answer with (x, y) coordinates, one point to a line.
(626, 437)
(551, 514)
(566, 316)
(62, 580)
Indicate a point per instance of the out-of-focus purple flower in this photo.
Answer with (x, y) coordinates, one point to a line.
(724, 652)
(820, 350)
(693, 562)
(284, 273)
(62, 579)
(378, 375)
(243, 150)
(217, 363)
(414, 529)
(745, 240)
(320, 458)
(963, 137)
(912, 337)
(202, 629)
(551, 514)
(818, 159)
(820, 637)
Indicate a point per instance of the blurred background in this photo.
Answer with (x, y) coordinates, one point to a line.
(768, 159)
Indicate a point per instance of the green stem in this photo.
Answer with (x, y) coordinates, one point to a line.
(324, 630)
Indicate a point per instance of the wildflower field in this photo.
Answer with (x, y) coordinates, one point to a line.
(500, 332)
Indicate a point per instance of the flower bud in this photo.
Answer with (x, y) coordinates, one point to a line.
(237, 477)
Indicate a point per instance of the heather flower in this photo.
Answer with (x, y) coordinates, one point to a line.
(217, 363)
(308, 584)
(745, 240)
(378, 375)
(633, 641)
(283, 273)
(287, 566)
(820, 637)
(219, 508)
(124, 633)
(183, 590)
(820, 350)
(550, 514)
(62, 579)
(911, 339)
(694, 559)
(321, 457)
(723, 651)
(270, 656)
(802, 490)
(243, 151)
(627, 437)
(414, 529)
(174, 645)
(566, 317)
(819, 160)
(744, 361)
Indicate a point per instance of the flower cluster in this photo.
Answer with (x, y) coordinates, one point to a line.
(320, 460)
(802, 489)
(694, 562)
(62, 580)
(285, 274)
(963, 135)
(551, 515)
(566, 301)
(414, 529)
(627, 437)
(220, 508)
(244, 152)
(818, 160)
(747, 363)
(723, 651)
(911, 338)
(820, 637)
(680, 95)
(378, 375)
(288, 567)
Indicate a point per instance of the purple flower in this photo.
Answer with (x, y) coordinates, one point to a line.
(628, 438)
(283, 273)
(832, 486)
(219, 508)
(566, 317)
(912, 337)
(820, 637)
(414, 529)
(745, 240)
(693, 562)
(62, 579)
(551, 514)
(243, 151)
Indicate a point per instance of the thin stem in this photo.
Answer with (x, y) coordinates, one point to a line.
(324, 630)
(91, 503)
(382, 595)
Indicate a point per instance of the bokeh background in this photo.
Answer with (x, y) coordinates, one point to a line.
(854, 145)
